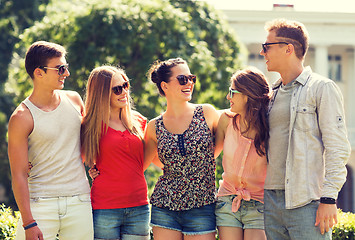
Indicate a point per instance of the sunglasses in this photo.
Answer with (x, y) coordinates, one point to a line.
(184, 79)
(118, 89)
(61, 69)
(265, 45)
(231, 91)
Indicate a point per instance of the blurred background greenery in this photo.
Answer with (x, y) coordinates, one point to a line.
(129, 33)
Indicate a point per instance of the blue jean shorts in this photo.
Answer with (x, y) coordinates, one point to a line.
(196, 221)
(250, 214)
(122, 223)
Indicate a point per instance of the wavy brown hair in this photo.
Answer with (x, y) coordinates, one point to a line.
(97, 112)
(252, 83)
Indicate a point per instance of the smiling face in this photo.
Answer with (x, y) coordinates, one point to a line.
(173, 87)
(118, 101)
(50, 77)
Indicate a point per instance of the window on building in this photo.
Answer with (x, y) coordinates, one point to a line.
(334, 67)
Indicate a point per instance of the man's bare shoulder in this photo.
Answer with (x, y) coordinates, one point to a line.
(21, 118)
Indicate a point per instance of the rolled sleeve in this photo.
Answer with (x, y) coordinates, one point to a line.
(334, 136)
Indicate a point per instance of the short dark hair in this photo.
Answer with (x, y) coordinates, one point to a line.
(290, 31)
(161, 71)
(39, 53)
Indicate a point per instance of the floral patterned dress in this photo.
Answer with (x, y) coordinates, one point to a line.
(188, 180)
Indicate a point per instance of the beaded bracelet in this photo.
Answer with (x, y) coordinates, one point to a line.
(31, 225)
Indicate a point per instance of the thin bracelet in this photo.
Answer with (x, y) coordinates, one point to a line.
(29, 222)
(31, 225)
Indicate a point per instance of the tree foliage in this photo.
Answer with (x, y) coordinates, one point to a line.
(16, 16)
(133, 34)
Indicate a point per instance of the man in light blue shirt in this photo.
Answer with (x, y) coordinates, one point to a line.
(308, 146)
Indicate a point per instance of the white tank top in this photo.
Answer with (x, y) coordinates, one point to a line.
(54, 151)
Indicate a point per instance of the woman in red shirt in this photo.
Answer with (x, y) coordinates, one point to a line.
(112, 142)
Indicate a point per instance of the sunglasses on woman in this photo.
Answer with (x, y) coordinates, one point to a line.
(61, 69)
(231, 91)
(118, 89)
(184, 79)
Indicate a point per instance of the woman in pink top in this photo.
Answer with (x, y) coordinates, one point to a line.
(112, 140)
(242, 133)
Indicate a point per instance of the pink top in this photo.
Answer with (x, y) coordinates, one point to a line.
(244, 170)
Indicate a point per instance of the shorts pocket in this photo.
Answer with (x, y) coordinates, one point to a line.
(84, 198)
(260, 209)
(220, 205)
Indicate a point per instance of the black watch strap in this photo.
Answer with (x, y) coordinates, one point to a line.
(327, 200)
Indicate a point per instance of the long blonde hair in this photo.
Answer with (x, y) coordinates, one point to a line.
(97, 112)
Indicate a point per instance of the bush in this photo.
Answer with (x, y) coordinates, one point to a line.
(345, 228)
(8, 222)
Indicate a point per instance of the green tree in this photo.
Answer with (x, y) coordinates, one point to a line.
(133, 34)
(16, 15)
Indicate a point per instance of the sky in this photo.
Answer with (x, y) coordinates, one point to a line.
(346, 6)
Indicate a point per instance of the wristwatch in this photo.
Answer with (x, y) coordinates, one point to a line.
(327, 200)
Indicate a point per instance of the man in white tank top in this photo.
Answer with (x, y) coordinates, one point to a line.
(54, 195)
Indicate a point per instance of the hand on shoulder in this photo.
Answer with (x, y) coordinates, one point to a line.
(76, 99)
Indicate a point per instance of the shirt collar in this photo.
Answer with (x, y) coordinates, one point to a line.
(301, 79)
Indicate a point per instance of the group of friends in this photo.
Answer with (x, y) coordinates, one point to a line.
(284, 146)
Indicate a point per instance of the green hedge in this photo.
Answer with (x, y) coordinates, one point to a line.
(8, 222)
(345, 229)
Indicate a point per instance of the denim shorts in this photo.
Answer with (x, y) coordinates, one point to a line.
(250, 214)
(122, 223)
(196, 221)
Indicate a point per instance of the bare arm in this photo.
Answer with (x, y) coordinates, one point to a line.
(150, 147)
(211, 116)
(20, 126)
(220, 134)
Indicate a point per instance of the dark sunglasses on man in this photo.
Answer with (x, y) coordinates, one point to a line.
(265, 46)
(61, 69)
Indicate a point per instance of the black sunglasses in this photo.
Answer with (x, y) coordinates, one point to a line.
(61, 69)
(265, 45)
(184, 79)
(118, 89)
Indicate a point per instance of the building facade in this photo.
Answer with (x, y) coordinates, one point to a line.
(331, 53)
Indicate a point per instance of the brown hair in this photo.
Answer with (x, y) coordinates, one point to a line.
(97, 106)
(161, 71)
(292, 32)
(252, 83)
(39, 53)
